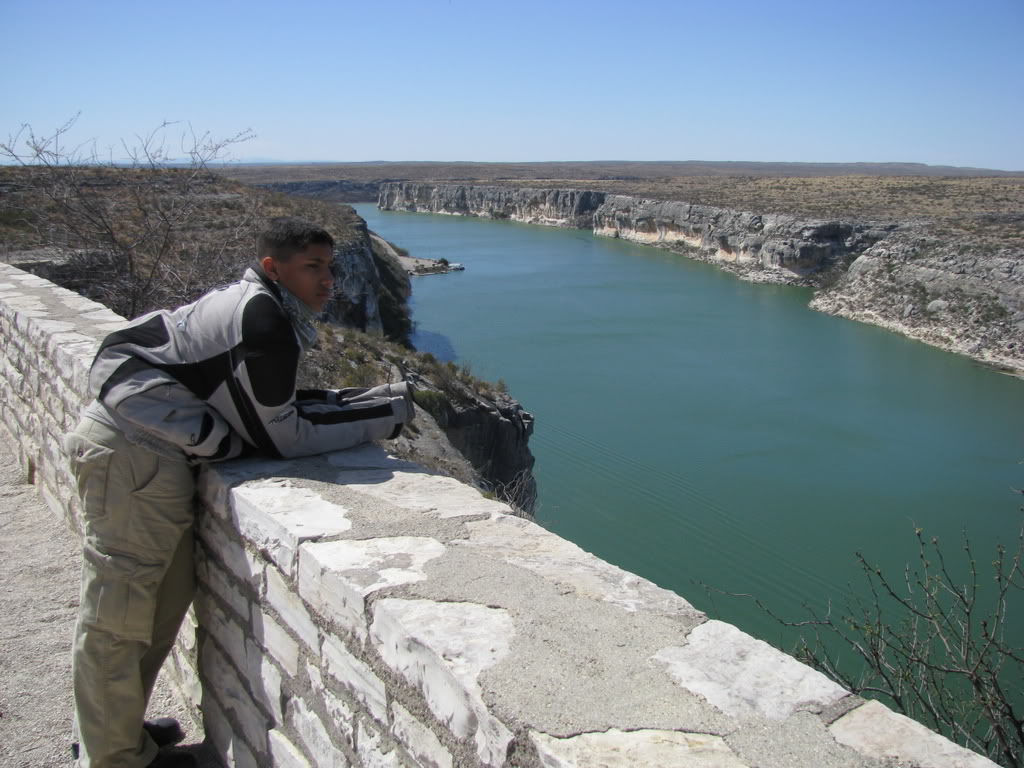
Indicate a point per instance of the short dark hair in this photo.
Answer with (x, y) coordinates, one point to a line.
(285, 236)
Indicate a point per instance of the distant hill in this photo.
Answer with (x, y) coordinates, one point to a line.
(602, 170)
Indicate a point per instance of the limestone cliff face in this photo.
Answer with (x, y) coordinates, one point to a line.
(553, 207)
(941, 291)
(493, 434)
(371, 288)
(954, 291)
(770, 247)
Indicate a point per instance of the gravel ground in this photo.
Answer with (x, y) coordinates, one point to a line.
(39, 574)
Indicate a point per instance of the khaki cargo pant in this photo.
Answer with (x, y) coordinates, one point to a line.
(137, 582)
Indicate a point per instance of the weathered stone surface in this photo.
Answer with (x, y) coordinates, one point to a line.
(225, 544)
(290, 608)
(217, 582)
(441, 648)
(229, 691)
(315, 736)
(876, 730)
(284, 753)
(357, 677)
(421, 742)
(222, 628)
(368, 456)
(278, 516)
(371, 750)
(219, 730)
(420, 492)
(621, 749)
(336, 576)
(340, 713)
(277, 642)
(745, 677)
(527, 545)
(264, 681)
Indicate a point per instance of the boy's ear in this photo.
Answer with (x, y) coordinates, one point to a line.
(269, 267)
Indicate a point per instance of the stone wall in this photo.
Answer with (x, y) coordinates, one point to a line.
(358, 610)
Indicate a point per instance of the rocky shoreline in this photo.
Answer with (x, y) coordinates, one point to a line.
(959, 291)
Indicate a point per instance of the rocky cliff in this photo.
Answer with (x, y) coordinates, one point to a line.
(961, 289)
(472, 430)
(950, 292)
(769, 247)
(553, 207)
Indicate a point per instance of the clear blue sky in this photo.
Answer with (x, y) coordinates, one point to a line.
(928, 81)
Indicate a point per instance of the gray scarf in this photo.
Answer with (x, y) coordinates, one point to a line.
(302, 317)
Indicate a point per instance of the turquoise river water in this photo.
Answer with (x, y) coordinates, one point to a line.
(694, 428)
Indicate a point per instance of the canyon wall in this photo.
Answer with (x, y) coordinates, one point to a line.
(954, 291)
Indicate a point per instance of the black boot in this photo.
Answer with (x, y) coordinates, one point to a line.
(174, 759)
(165, 731)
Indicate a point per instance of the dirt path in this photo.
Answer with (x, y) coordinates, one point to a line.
(39, 576)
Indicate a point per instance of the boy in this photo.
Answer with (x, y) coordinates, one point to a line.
(174, 389)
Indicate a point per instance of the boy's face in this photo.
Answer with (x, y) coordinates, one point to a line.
(307, 274)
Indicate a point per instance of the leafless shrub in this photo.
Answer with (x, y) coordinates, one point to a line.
(935, 644)
(127, 227)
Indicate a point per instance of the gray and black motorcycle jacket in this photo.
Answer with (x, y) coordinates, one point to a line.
(216, 378)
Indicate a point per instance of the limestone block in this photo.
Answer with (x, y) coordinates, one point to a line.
(284, 753)
(356, 676)
(264, 681)
(367, 456)
(277, 641)
(370, 749)
(341, 714)
(290, 608)
(234, 753)
(25, 309)
(228, 547)
(420, 741)
(441, 649)
(525, 544)
(220, 678)
(31, 381)
(421, 492)
(743, 676)
(189, 675)
(875, 730)
(336, 576)
(42, 329)
(214, 579)
(75, 338)
(73, 361)
(221, 627)
(12, 376)
(625, 749)
(187, 633)
(277, 516)
(217, 481)
(315, 736)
